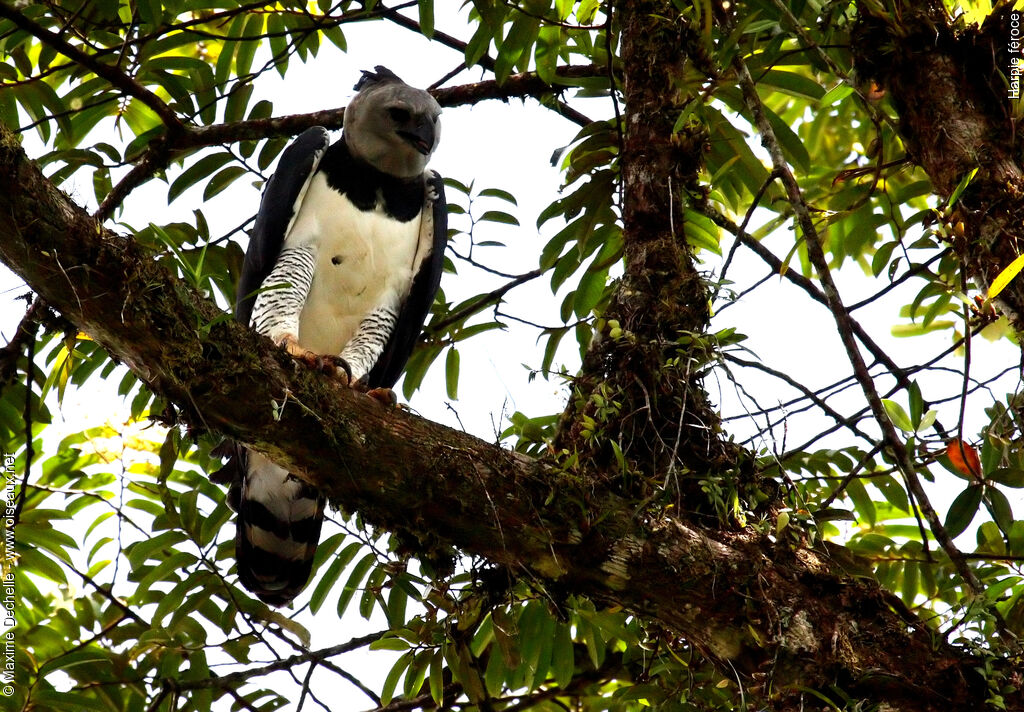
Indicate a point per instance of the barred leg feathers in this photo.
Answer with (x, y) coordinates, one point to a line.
(283, 294)
(366, 346)
(279, 520)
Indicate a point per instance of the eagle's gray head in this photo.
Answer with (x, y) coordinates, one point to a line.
(392, 126)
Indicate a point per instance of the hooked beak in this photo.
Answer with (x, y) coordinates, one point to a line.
(421, 137)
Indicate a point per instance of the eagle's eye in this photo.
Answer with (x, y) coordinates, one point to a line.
(398, 115)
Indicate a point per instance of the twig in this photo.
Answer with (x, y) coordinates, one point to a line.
(228, 681)
(880, 355)
(849, 423)
(487, 63)
(484, 301)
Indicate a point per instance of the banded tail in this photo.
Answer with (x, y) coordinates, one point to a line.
(278, 529)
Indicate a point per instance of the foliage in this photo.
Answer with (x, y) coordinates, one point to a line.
(126, 595)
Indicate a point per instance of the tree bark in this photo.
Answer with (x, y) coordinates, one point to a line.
(777, 613)
(664, 425)
(950, 90)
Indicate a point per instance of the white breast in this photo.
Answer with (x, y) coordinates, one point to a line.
(364, 260)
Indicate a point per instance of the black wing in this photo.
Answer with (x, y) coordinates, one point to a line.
(414, 311)
(280, 202)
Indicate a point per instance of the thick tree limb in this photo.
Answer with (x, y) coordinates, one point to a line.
(781, 614)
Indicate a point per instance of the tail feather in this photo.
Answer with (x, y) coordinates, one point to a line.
(279, 520)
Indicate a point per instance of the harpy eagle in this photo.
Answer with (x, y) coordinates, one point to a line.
(342, 266)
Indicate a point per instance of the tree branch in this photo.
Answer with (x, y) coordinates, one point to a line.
(234, 679)
(188, 139)
(486, 62)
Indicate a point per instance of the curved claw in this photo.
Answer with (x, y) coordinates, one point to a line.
(337, 368)
(334, 366)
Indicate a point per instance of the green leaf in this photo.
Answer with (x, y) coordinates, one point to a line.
(905, 330)
(962, 186)
(247, 48)
(478, 44)
(355, 581)
(1007, 476)
(551, 348)
(862, 500)
(416, 369)
(791, 144)
(499, 216)
(541, 662)
(451, 373)
(222, 70)
(34, 561)
(222, 180)
(506, 635)
(595, 643)
(589, 292)
(701, 233)
(327, 581)
(269, 152)
(238, 101)
(402, 591)
(910, 582)
(278, 42)
(587, 10)
(1002, 512)
(436, 678)
(390, 643)
(563, 662)
(499, 194)
(794, 84)
(883, 254)
(961, 512)
(416, 673)
(520, 37)
(140, 118)
(156, 547)
(897, 415)
(371, 592)
(496, 674)
(835, 94)
(205, 84)
(336, 36)
(387, 692)
(1006, 276)
(916, 404)
(426, 8)
(894, 492)
(549, 41)
(151, 12)
(927, 420)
